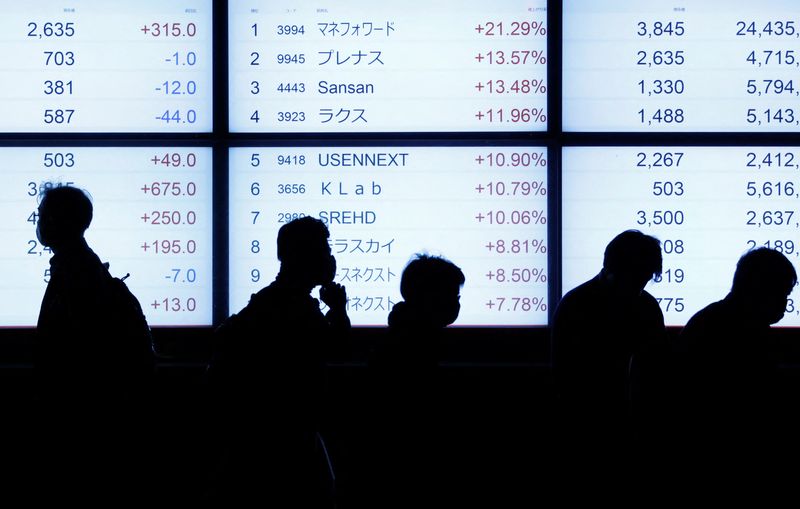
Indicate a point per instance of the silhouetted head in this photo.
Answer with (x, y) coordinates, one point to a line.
(304, 252)
(631, 260)
(65, 213)
(432, 285)
(764, 279)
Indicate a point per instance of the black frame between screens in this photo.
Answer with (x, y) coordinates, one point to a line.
(221, 139)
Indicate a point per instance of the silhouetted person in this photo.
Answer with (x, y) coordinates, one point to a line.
(92, 374)
(411, 445)
(431, 287)
(267, 377)
(731, 364)
(601, 330)
(81, 354)
(407, 360)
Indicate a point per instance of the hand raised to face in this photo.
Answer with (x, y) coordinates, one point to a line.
(333, 295)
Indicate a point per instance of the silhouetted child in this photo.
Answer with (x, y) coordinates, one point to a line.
(600, 331)
(267, 377)
(431, 288)
(732, 409)
(412, 441)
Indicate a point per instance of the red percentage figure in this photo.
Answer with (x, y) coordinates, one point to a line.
(538, 114)
(538, 187)
(538, 276)
(538, 86)
(538, 159)
(538, 217)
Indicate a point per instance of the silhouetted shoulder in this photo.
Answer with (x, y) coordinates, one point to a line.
(650, 304)
(587, 290)
(710, 317)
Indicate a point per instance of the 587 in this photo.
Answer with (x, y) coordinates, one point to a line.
(58, 116)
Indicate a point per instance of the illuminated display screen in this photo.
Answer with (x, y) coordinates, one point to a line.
(152, 220)
(408, 127)
(707, 206)
(664, 66)
(365, 66)
(99, 66)
(484, 208)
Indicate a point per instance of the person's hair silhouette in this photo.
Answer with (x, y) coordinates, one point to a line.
(304, 252)
(764, 278)
(65, 213)
(632, 259)
(273, 353)
(430, 286)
